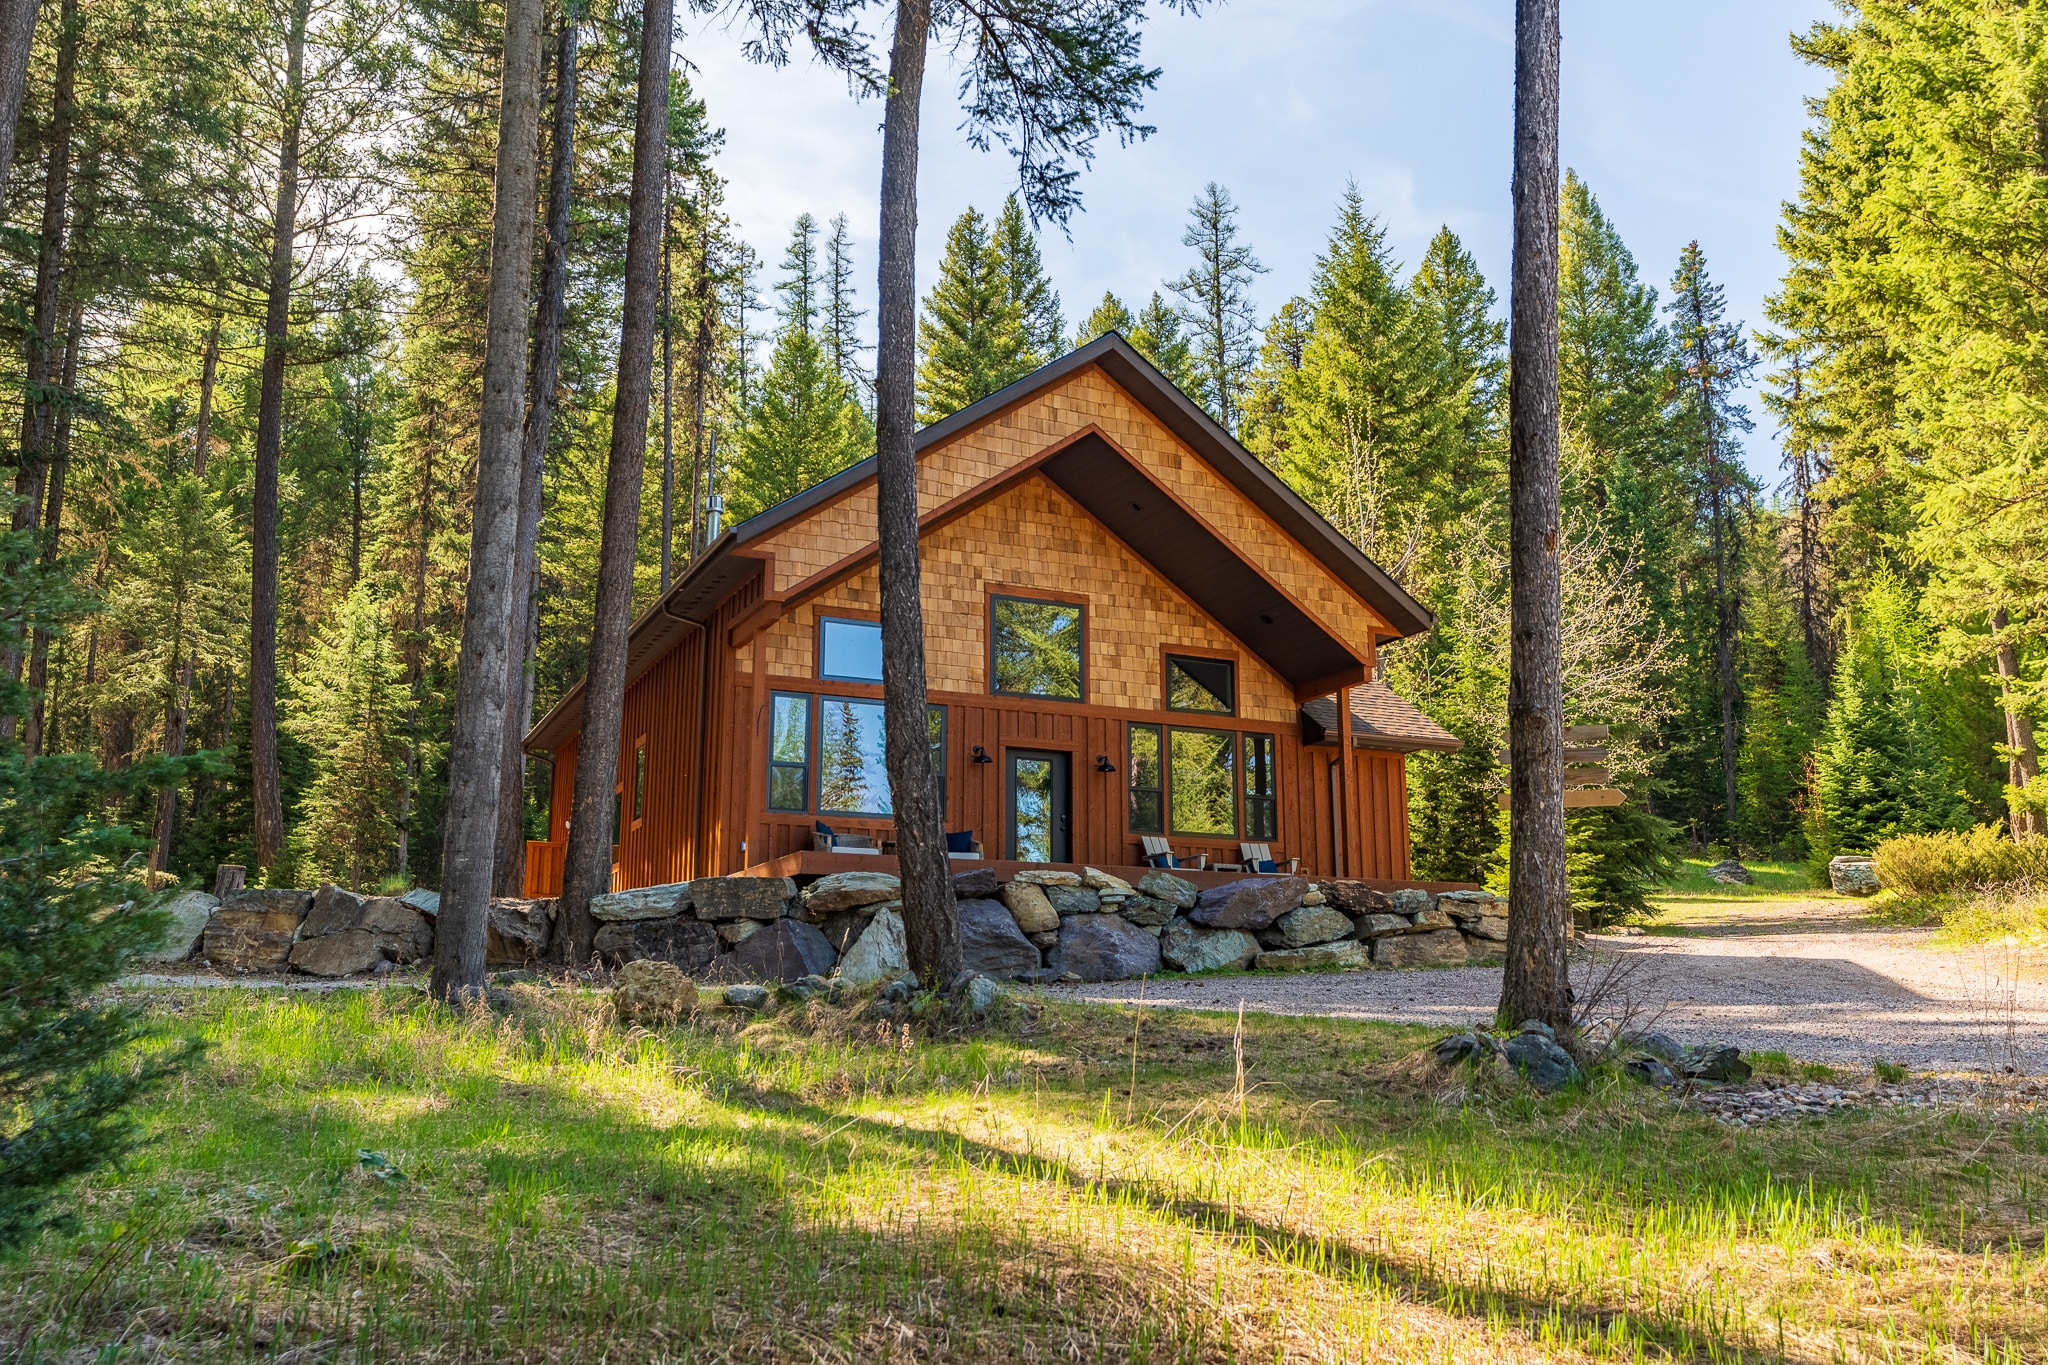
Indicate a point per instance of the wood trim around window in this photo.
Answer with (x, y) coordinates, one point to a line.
(989, 593)
(818, 618)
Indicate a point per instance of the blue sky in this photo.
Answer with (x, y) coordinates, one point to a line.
(1684, 117)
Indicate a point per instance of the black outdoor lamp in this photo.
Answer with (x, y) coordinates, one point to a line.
(1103, 765)
(981, 755)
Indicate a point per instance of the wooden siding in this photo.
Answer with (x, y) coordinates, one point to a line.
(1033, 539)
(1382, 822)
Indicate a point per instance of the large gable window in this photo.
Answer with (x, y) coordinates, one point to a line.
(849, 651)
(1035, 648)
(1208, 685)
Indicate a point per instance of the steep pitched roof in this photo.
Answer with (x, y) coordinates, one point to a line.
(724, 565)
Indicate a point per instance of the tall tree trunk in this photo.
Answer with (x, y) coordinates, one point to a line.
(53, 528)
(668, 413)
(2024, 766)
(508, 877)
(408, 798)
(174, 747)
(268, 792)
(1727, 615)
(1536, 984)
(38, 411)
(700, 372)
(476, 760)
(587, 863)
(202, 427)
(930, 919)
(17, 40)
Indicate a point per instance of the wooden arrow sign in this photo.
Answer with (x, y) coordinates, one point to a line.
(1592, 755)
(1585, 734)
(1580, 798)
(1587, 777)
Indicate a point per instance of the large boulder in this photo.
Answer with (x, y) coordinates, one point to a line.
(761, 898)
(784, 950)
(1252, 903)
(1099, 880)
(254, 931)
(348, 953)
(843, 927)
(1145, 911)
(1492, 928)
(1349, 953)
(1178, 892)
(1411, 901)
(403, 934)
(1731, 872)
(1376, 926)
(1305, 926)
(848, 891)
(992, 944)
(1538, 1057)
(644, 902)
(651, 992)
(427, 902)
(1103, 948)
(879, 953)
(1852, 875)
(1187, 947)
(1073, 900)
(189, 912)
(517, 931)
(975, 884)
(1038, 876)
(690, 945)
(1029, 906)
(1356, 898)
(1437, 948)
(334, 911)
(1433, 919)
(1466, 906)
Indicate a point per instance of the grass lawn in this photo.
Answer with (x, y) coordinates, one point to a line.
(1773, 879)
(365, 1177)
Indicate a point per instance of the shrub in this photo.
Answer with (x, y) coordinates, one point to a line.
(1948, 861)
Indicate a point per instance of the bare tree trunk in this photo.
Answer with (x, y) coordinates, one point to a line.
(202, 427)
(1536, 984)
(587, 862)
(476, 760)
(17, 40)
(700, 373)
(268, 793)
(2024, 766)
(509, 875)
(174, 747)
(53, 528)
(38, 412)
(1727, 614)
(930, 919)
(668, 413)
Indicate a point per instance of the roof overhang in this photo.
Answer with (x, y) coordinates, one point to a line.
(1381, 719)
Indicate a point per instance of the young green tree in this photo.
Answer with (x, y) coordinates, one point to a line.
(349, 708)
(1216, 303)
(1024, 283)
(972, 334)
(842, 313)
(1110, 315)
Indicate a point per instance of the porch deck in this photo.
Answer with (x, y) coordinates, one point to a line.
(813, 864)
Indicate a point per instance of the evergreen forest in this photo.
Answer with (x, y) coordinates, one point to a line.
(243, 291)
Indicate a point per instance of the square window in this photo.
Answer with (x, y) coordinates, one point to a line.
(1148, 808)
(849, 651)
(1035, 648)
(789, 752)
(1202, 789)
(1194, 684)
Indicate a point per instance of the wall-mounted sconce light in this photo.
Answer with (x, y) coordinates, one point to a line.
(981, 755)
(1103, 765)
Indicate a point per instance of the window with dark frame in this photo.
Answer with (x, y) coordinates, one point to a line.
(1197, 684)
(640, 780)
(849, 650)
(1035, 648)
(1148, 787)
(935, 719)
(1261, 789)
(789, 752)
(1201, 790)
(853, 776)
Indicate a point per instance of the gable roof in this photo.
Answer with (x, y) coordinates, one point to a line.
(1103, 486)
(1382, 719)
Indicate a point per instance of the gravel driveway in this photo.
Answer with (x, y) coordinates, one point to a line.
(1811, 978)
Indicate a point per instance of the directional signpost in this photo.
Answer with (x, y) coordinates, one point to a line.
(1585, 772)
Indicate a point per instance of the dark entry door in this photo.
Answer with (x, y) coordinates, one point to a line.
(1038, 807)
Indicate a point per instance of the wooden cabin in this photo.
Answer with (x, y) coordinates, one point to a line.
(1133, 629)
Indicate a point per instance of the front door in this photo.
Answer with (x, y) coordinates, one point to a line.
(1038, 807)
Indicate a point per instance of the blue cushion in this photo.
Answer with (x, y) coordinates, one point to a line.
(961, 841)
(825, 830)
(1266, 865)
(1162, 860)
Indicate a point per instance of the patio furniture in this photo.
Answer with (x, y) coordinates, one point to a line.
(1258, 858)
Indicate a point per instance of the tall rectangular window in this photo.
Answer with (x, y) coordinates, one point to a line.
(1035, 648)
(849, 651)
(1261, 789)
(853, 776)
(1202, 781)
(789, 752)
(1148, 789)
(640, 779)
(1201, 685)
(935, 718)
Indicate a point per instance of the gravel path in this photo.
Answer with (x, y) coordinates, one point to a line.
(1811, 978)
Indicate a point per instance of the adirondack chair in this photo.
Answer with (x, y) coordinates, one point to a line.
(1259, 858)
(1159, 853)
(824, 839)
(961, 845)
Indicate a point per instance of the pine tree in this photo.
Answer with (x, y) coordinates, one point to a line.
(1159, 335)
(1615, 858)
(1216, 302)
(1266, 412)
(842, 316)
(799, 285)
(1029, 292)
(349, 709)
(972, 335)
(1110, 315)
